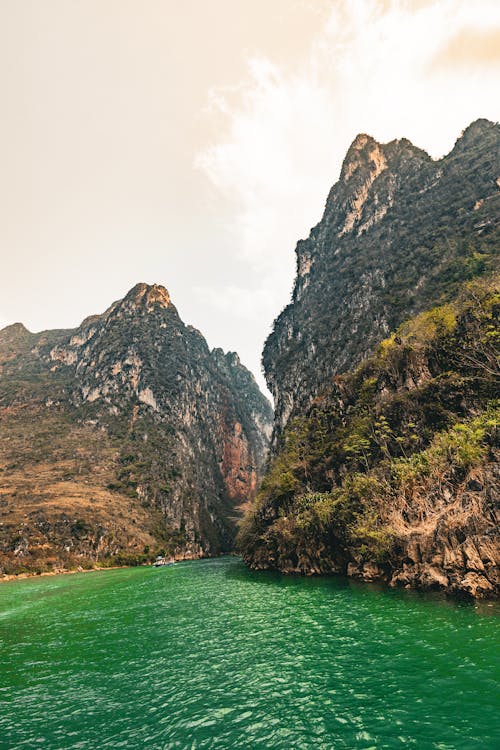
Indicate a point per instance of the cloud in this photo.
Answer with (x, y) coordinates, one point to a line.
(268, 164)
(476, 47)
(286, 129)
(392, 69)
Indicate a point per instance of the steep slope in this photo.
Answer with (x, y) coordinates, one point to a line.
(124, 437)
(399, 234)
(392, 472)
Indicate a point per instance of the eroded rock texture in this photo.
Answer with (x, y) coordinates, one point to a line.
(385, 454)
(124, 437)
(399, 234)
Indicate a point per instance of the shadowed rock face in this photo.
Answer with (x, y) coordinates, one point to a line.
(399, 233)
(126, 433)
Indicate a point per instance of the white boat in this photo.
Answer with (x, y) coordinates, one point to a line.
(160, 562)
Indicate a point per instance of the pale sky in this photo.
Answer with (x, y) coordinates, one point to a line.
(193, 143)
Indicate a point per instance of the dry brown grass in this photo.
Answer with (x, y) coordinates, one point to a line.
(55, 504)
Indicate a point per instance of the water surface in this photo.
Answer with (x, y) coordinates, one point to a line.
(209, 655)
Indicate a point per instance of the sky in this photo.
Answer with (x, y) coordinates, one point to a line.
(193, 143)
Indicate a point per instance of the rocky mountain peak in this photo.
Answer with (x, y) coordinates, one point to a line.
(366, 155)
(475, 133)
(365, 190)
(12, 337)
(15, 330)
(146, 296)
(363, 151)
(399, 232)
(163, 441)
(226, 358)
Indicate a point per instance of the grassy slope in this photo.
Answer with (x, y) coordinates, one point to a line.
(55, 501)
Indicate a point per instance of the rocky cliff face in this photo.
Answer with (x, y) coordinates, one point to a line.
(124, 437)
(388, 469)
(400, 232)
(392, 471)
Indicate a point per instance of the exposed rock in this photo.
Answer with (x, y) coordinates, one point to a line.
(399, 233)
(365, 571)
(123, 435)
(400, 237)
(432, 578)
(476, 585)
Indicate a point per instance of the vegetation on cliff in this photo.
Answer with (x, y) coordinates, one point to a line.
(385, 446)
(124, 438)
(391, 472)
(400, 234)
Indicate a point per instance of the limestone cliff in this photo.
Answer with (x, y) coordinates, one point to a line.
(392, 472)
(385, 455)
(400, 233)
(124, 437)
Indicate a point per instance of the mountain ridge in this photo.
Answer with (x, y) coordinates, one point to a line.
(394, 219)
(153, 440)
(383, 368)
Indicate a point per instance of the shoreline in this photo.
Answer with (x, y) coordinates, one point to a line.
(63, 572)
(5, 578)
(380, 585)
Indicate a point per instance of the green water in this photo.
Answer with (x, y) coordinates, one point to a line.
(208, 655)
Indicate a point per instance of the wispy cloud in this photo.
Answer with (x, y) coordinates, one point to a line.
(374, 68)
(475, 47)
(269, 161)
(385, 68)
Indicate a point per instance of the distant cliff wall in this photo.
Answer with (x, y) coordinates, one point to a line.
(124, 437)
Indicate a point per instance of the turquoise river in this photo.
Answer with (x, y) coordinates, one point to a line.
(209, 655)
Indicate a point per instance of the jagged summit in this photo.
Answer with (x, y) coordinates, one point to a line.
(147, 295)
(140, 301)
(148, 440)
(366, 151)
(362, 142)
(231, 357)
(14, 329)
(14, 336)
(142, 297)
(369, 174)
(399, 232)
(475, 132)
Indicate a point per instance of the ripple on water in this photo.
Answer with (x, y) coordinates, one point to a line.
(209, 655)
